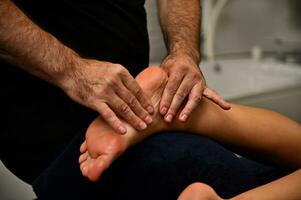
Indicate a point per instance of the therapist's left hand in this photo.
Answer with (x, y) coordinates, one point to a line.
(185, 81)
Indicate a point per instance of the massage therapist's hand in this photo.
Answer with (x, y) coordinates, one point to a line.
(110, 90)
(186, 81)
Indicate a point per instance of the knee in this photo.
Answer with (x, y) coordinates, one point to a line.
(197, 191)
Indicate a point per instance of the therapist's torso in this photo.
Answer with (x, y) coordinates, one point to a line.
(39, 119)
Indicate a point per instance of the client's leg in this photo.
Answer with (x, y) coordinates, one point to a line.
(199, 191)
(287, 187)
(249, 131)
(245, 129)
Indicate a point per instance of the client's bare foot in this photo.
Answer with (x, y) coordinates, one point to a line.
(199, 191)
(103, 145)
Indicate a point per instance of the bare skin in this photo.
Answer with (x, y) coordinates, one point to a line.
(287, 187)
(248, 131)
(199, 191)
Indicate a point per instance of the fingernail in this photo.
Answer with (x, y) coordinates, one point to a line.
(150, 109)
(184, 117)
(163, 110)
(148, 120)
(168, 118)
(228, 105)
(142, 126)
(122, 130)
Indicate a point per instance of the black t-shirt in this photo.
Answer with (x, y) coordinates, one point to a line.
(38, 118)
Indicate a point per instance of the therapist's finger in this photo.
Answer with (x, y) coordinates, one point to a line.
(179, 97)
(216, 98)
(192, 103)
(136, 90)
(169, 92)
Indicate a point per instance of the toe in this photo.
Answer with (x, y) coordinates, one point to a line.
(83, 147)
(83, 157)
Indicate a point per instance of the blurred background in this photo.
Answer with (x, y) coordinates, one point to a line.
(251, 54)
(251, 51)
(241, 25)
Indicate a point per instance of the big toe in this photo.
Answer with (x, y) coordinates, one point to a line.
(98, 167)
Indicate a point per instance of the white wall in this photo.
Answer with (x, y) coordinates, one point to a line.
(242, 24)
(157, 50)
(245, 23)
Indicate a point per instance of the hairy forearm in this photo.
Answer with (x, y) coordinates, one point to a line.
(287, 187)
(27, 46)
(180, 22)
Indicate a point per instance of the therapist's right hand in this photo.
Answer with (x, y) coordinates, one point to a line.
(110, 90)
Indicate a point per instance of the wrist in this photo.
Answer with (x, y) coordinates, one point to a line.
(68, 74)
(193, 53)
